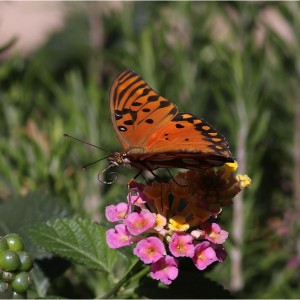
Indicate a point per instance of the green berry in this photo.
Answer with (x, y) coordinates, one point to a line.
(26, 260)
(3, 244)
(9, 260)
(7, 276)
(14, 242)
(21, 282)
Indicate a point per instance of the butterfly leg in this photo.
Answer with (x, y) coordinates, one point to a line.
(174, 179)
(138, 174)
(130, 182)
(134, 178)
(141, 173)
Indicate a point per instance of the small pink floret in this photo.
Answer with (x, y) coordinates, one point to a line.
(182, 245)
(204, 255)
(117, 212)
(118, 237)
(214, 233)
(149, 250)
(138, 223)
(165, 269)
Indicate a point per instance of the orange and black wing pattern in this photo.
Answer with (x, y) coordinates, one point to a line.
(150, 128)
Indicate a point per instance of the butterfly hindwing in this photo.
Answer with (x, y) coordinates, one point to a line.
(187, 133)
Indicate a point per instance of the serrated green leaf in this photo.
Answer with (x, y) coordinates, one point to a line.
(80, 240)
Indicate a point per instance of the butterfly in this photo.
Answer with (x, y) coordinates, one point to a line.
(154, 134)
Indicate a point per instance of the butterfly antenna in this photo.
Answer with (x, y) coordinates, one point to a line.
(111, 181)
(87, 143)
(89, 164)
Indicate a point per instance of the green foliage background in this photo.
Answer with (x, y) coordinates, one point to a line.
(224, 61)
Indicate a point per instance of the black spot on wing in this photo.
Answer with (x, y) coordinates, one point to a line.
(146, 109)
(136, 104)
(122, 128)
(149, 121)
(145, 92)
(164, 103)
(153, 98)
(179, 126)
(118, 114)
(128, 122)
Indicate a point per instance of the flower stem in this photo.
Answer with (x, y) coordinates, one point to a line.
(127, 277)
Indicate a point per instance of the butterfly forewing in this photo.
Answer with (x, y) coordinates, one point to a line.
(137, 111)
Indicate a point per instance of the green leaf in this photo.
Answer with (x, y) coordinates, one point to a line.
(80, 240)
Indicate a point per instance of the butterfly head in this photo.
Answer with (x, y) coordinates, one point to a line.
(119, 158)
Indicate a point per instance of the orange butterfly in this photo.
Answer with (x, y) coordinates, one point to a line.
(154, 134)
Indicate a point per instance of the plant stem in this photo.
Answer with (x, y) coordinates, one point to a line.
(237, 282)
(296, 175)
(128, 276)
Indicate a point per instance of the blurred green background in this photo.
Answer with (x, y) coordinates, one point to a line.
(236, 64)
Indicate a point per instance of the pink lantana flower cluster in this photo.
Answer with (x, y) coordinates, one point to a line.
(170, 221)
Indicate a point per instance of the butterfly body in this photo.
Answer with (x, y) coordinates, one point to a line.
(154, 134)
(151, 162)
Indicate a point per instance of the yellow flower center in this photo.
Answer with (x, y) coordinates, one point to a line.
(160, 220)
(122, 214)
(178, 223)
(244, 180)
